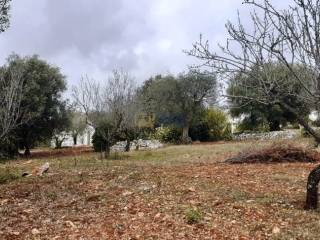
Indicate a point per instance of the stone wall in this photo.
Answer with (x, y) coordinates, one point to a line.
(137, 145)
(287, 134)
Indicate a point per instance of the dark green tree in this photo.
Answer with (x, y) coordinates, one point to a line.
(41, 102)
(262, 115)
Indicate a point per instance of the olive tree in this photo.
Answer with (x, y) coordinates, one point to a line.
(178, 99)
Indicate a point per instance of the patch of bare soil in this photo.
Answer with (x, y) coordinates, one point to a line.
(277, 154)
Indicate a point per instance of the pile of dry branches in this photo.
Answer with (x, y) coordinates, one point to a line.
(277, 154)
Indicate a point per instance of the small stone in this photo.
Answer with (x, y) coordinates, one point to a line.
(127, 193)
(140, 214)
(70, 224)
(35, 231)
(276, 230)
(191, 189)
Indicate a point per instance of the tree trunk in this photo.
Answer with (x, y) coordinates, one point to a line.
(185, 134)
(127, 148)
(274, 126)
(312, 189)
(27, 152)
(107, 151)
(75, 140)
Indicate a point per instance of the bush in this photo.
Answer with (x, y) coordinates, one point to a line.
(8, 150)
(99, 140)
(212, 125)
(246, 126)
(169, 134)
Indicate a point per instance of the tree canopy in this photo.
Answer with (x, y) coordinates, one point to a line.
(41, 101)
(175, 100)
(242, 88)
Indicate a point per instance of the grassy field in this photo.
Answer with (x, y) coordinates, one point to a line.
(178, 192)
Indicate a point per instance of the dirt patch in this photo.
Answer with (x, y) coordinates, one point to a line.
(277, 154)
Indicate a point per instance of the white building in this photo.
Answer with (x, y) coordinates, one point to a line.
(84, 139)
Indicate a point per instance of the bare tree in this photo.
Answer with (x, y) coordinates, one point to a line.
(11, 83)
(289, 37)
(112, 103)
(120, 95)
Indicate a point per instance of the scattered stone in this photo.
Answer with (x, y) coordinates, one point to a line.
(35, 231)
(4, 201)
(137, 145)
(43, 169)
(127, 193)
(70, 224)
(276, 230)
(287, 134)
(191, 189)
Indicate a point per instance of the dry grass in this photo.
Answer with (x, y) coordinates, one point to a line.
(156, 195)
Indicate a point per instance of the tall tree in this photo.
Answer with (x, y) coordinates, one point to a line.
(257, 114)
(177, 99)
(41, 100)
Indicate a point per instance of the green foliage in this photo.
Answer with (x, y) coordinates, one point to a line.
(247, 98)
(103, 138)
(8, 148)
(193, 216)
(177, 100)
(212, 125)
(251, 124)
(42, 102)
(170, 134)
(7, 175)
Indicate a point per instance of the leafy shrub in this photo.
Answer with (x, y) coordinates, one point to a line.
(193, 216)
(169, 134)
(8, 149)
(212, 125)
(101, 138)
(247, 125)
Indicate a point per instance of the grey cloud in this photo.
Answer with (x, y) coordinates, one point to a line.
(92, 37)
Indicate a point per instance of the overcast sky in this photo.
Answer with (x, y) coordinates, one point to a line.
(145, 37)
